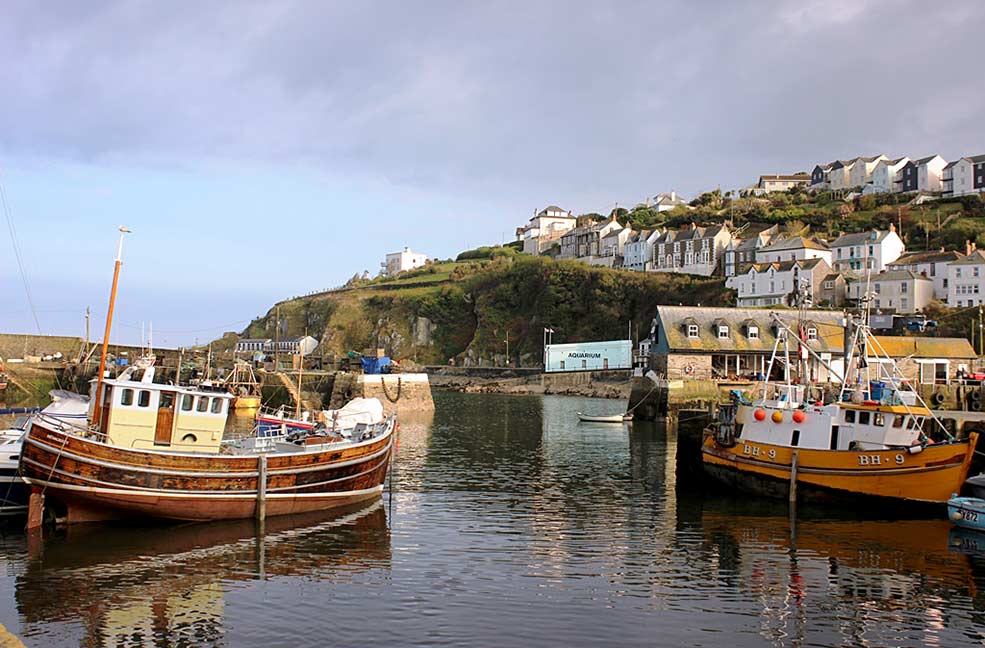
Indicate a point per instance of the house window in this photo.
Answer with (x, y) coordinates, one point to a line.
(143, 399)
(203, 404)
(904, 303)
(974, 271)
(186, 402)
(812, 333)
(126, 397)
(829, 285)
(753, 333)
(903, 287)
(722, 332)
(957, 272)
(692, 330)
(872, 251)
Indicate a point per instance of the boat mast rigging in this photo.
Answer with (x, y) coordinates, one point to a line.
(97, 411)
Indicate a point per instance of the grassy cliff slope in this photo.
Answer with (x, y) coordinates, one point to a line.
(468, 309)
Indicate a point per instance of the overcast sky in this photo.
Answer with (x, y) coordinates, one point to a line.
(264, 150)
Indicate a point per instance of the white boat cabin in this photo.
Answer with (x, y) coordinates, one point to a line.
(836, 426)
(139, 413)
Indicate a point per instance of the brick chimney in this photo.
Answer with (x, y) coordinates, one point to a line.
(967, 247)
(892, 226)
(694, 225)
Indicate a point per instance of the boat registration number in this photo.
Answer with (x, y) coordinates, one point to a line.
(971, 516)
(877, 460)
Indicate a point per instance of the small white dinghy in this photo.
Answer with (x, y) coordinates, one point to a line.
(611, 418)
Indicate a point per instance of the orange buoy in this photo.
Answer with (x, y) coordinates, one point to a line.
(777, 417)
(759, 415)
(799, 417)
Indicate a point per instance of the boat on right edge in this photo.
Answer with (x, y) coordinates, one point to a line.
(877, 442)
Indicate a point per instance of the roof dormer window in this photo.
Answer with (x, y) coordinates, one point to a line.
(692, 331)
(753, 333)
(723, 332)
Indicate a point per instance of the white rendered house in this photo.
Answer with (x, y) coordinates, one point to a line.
(403, 260)
(854, 254)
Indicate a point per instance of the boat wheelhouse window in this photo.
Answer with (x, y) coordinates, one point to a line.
(203, 404)
(912, 423)
(849, 416)
(898, 421)
(216, 405)
(126, 397)
(863, 418)
(795, 439)
(186, 402)
(878, 419)
(143, 398)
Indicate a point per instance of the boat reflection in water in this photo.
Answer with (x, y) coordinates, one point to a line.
(872, 576)
(128, 586)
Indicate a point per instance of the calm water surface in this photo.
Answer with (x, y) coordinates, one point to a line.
(510, 524)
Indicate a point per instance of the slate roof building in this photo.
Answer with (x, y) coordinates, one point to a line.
(714, 343)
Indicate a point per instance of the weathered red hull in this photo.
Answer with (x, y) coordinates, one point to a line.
(97, 481)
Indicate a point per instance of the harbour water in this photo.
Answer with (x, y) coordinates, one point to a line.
(509, 523)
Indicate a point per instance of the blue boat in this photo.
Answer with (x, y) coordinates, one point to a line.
(967, 512)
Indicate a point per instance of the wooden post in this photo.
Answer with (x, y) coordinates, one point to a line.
(793, 478)
(35, 509)
(261, 511)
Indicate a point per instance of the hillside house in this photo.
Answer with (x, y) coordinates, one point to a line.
(966, 280)
(886, 176)
(406, 259)
(964, 176)
(860, 173)
(545, 229)
(923, 174)
(777, 182)
(777, 283)
(896, 291)
(929, 264)
(666, 201)
(611, 248)
(691, 250)
(794, 248)
(855, 253)
(741, 251)
(819, 176)
(586, 240)
(832, 292)
(638, 251)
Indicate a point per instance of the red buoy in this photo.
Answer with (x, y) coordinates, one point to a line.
(799, 417)
(759, 415)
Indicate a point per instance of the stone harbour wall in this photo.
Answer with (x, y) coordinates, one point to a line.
(405, 392)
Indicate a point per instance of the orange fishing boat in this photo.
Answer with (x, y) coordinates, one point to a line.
(879, 439)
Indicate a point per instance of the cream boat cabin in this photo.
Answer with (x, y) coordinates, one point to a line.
(141, 414)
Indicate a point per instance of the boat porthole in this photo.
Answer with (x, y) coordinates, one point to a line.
(189, 438)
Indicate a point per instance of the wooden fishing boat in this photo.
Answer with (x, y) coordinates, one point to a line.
(613, 418)
(878, 440)
(157, 450)
(14, 491)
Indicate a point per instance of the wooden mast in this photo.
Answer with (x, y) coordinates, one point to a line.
(97, 411)
(297, 412)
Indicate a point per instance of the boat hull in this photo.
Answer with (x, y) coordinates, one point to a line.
(967, 512)
(929, 477)
(96, 481)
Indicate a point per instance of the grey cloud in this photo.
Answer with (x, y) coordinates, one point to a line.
(582, 103)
